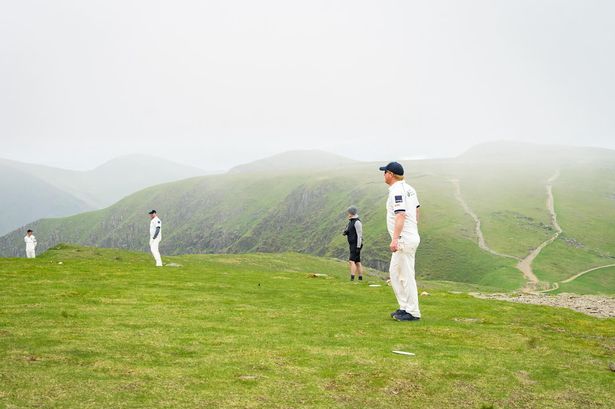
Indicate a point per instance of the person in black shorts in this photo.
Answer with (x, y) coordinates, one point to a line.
(354, 234)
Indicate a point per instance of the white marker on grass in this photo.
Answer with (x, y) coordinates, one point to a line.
(404, 353)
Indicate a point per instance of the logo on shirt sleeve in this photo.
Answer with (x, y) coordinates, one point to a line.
(399, 199)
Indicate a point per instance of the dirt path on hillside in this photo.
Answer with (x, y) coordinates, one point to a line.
(477, 228)
(525, 265)
(551, 202)
(556, 286)
(574, 277)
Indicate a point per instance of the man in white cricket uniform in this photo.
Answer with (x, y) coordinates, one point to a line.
(402, 224)
(30, 244)
(155, 236)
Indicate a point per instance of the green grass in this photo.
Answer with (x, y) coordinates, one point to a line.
(107, 329)
(596, 282)
(592, 225)
(560, 260)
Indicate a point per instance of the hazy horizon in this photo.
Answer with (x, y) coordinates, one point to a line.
(218, 84)
(253, 159)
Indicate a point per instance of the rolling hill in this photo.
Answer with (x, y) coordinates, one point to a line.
(497, 192)
(31, 192)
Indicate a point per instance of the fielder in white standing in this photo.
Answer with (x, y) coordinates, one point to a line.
(155, 235)
(402, 224)
(30, 244)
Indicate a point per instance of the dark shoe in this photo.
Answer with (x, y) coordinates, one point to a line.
(397, 312)
(360, 278)
(406, 317)
(351, 278)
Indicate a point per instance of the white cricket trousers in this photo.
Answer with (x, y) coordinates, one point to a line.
(402, 277)
(30, 253)
(153, 245)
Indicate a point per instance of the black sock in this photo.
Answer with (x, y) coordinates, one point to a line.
(351, 278)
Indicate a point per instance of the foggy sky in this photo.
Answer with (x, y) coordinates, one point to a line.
(217, 83)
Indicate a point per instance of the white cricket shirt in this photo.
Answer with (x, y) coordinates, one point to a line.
(403, 198)
(155, 223)
(30, 242)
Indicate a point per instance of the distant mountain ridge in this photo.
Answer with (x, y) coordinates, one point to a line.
(31, 192)
(312, 160)
(302, 210)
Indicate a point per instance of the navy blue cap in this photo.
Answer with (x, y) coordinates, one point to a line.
(393, 167)
(152, 212)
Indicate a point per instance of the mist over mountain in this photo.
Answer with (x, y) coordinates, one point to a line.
(26, 198)
(31, 192)
(522, 152)
(309, 160)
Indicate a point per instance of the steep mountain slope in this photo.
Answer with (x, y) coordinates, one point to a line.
(31, 192)
(304, 211)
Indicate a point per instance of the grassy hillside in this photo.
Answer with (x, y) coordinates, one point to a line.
(107, 329)
(31, 192)
(510, 203)
(585, 202)
(596, 282)
(273, 213)
(301, 211)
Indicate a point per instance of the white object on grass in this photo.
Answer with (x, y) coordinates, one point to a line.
(374, 285)
(404, 353)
